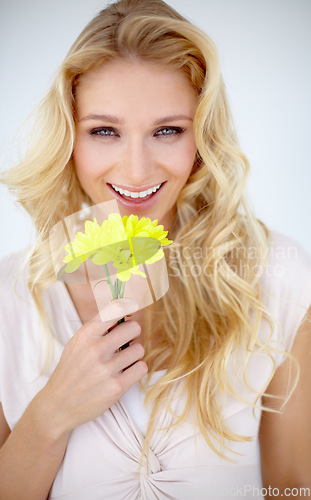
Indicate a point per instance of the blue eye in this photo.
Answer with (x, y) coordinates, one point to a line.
(165, 131)
(111, 132)
(103, 131)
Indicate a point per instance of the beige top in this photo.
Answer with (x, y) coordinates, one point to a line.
(102, 458)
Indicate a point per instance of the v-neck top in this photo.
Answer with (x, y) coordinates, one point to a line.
(102, 456)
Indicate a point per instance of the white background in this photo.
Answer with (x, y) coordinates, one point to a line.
(264, 47)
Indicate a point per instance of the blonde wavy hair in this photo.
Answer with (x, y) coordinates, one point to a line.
(223, 308)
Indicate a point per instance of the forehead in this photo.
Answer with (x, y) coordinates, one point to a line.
(134, 87)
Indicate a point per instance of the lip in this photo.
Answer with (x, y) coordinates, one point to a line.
(136, 189)
(135, 204)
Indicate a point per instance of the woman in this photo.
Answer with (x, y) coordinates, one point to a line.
(139, 104)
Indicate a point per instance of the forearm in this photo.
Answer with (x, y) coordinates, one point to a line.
(33, 452)
(31, 457)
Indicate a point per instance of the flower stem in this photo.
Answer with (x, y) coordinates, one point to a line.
(109, 281)
(116, 292)
(122, 287)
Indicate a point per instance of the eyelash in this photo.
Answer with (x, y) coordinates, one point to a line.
(98, 131)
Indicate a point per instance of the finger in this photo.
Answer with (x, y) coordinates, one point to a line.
(131, 375)
(124, 359)
(121, 334)
(112, 312)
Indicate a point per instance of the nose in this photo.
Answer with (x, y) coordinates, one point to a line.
(137, 163)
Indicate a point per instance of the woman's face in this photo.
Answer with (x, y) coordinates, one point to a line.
(134, 134)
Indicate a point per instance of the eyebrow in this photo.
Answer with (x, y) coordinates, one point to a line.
(118, 121)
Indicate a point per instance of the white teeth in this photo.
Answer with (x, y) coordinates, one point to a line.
(140, 194)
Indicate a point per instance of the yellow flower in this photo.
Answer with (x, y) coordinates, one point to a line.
(143, 229)
(126, 242)
(85, 245)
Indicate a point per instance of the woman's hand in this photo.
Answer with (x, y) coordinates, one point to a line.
(92, 373)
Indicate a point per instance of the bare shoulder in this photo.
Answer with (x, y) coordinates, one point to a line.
(285, 438)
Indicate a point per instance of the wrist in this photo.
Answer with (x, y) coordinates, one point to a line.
(46, 420)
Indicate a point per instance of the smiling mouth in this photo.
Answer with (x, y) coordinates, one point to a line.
(137, 196)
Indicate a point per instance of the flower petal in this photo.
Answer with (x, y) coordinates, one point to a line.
(74, 265)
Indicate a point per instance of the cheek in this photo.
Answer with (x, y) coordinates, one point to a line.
(184, 160)
(89, 162)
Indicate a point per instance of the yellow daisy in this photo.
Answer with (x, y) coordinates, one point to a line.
(143, 229)
(126, 242)
(85, 245)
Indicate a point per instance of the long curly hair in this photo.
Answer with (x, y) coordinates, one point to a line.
(213, 304)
